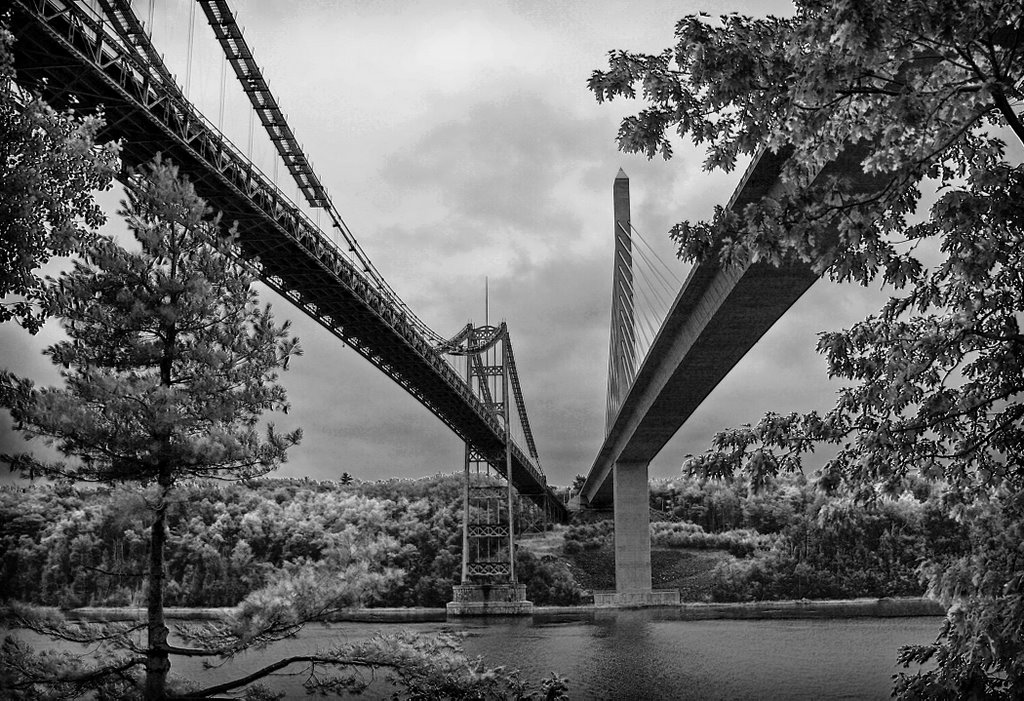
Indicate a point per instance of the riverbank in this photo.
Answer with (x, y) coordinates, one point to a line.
(901, 607)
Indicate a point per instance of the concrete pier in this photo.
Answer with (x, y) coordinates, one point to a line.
(632, 527)
(489, 600)
(633, 543)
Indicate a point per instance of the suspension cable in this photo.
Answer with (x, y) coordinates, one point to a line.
(191, 42)
(664, 266)
(137, 40)
(247, 71)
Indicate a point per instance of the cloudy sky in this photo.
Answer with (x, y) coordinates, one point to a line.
(459, 141)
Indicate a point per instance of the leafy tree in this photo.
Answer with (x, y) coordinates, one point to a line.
(50, 166)
(870, 104)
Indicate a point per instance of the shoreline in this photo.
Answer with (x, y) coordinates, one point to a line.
(900, 607)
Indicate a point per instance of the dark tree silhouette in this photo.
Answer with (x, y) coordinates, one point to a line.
(50, 166)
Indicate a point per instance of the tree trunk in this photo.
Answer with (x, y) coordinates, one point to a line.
(158, 663)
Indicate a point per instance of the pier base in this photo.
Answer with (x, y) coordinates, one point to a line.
(636, 599)
(489, 600)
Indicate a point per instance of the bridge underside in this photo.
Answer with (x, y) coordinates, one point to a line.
(72, 68)
(718, 315)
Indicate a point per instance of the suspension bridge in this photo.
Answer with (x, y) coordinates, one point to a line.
(94, 54)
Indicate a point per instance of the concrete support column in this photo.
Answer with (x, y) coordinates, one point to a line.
(632, 527)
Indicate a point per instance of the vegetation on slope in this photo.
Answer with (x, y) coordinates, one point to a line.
(71, 547)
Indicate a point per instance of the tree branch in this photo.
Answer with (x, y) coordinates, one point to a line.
(1009, 115)
(58, 632)
(282, 663)
(81, 678)
(1012, 338)
(192, 652)
(977, 443)
(115, 574)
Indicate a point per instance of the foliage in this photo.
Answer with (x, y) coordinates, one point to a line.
(842, 550)
(869, 104)
(77, 546)
(589, 536)
(721, 505)
(548, 580)
(50, 166)
(80, 546)
(995, 532)
(792, 540)
(684, 534)
(741, 543)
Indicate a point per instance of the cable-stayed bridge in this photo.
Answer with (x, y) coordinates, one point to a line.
(99, 53)
(657, 380)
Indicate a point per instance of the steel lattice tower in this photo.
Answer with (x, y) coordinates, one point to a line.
(488, 538)
(488, 526)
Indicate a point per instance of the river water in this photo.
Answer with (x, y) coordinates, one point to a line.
(652, 655)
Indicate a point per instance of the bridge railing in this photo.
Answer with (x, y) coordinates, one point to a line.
(86, 26)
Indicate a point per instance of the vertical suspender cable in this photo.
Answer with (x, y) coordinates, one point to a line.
(252, 118)
(191, 40)
(223, 91)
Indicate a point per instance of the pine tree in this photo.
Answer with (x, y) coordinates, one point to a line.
(169, 364)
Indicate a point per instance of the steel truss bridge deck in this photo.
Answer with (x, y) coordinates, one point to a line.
(73, 60)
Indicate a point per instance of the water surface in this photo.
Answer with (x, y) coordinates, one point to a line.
(649, 654)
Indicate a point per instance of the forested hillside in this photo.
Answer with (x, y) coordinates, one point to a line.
(717, 540)
(73, 547)
(793, 540)
(86, 546)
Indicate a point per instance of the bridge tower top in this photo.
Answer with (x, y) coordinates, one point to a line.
(622, 359)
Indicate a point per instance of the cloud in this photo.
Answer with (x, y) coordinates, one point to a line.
(459, 141)
(506, 171)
